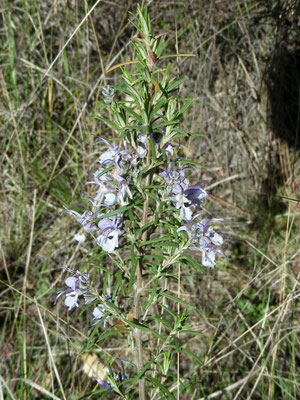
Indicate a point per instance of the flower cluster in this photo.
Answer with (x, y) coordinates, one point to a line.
(118, 168)
(78, 287)
(181, 194)
(186, 198)
(107, 229)
(111, 179)
(204, 239)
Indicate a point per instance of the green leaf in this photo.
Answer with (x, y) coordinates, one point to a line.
(119, 284)
(190, 332)
(166, 74)
(154, 256)
(161, 238)
(164, 390)
(108, 122)
(191, 261)
(163, 321)
(153, 294)
(136, 378)
(130, 92)
(184, 108)
(108, 333)
(132, 220)
(179, 135)
(121, 209)
(197, 134)
(175, 84)
(67, 68)
(176, 55)
(154, 187)
(167, 123)
(135, 25)
(132, 112)
(176, 299)
(111, 167)
(190, 162)
(153, 150)
(144, 328)
(149, 168)
(144, 227)
(158, 106)
(191, 354)
(168, 310)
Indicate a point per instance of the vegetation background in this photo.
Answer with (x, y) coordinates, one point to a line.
(245, 79)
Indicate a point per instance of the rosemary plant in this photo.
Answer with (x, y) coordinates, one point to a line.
(145, 220)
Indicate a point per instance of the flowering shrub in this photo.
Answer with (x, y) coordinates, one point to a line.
(142, 198)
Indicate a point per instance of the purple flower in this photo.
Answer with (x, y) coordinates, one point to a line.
(142, 148)
(123, 190)
(113, 378)
(109, 229)
(105, 194)
(203, 238)
(109, 155)
(181, 202)
(86, 220)
(71, 293)
(104, 384)
(158, 138)
(195, 195)
(114, 156)
(78, 286)
(108, 94)
(181, 195)
(173, 177)
(169, 149)
(99, 311)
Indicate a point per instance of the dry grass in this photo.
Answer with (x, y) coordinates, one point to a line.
(246, 82)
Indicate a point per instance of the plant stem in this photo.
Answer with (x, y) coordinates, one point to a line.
(138, 291)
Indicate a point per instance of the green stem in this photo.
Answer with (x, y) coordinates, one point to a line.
(138, 292)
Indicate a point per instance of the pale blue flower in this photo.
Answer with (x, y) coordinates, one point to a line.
(80, 237)
(106, 194)
(112, 188)
(78, 286)
(169, 149)
(86, 220)
(123, 190)
(115, 156)
(195, 194)
(99, 311)
(118, 377)
(109, 231)
(182, 196)
(108, 94)
(175, 178)
(142, 146)
(72, 293)
(203, 238)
